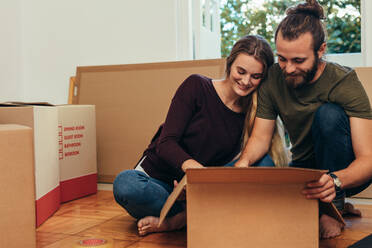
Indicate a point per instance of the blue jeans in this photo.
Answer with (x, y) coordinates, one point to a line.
(142, 195)
(332, 143)
(265, 161)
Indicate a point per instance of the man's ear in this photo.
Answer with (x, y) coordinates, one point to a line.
(322, 50)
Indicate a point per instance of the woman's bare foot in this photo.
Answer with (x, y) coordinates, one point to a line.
(149, 224)
(329, 227)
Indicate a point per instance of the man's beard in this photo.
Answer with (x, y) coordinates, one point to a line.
(306, 75)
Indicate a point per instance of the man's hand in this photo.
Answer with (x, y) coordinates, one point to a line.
(323, 189)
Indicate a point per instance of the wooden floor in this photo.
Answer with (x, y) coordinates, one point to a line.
(99, 216)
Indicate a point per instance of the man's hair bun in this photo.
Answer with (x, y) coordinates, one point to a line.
(311, 7)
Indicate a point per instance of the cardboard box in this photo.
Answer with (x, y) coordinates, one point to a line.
(367, 193)
(77, 151)
(250, 207)
(44, 122)
(131, 102)
(17, 187)
(365, 75)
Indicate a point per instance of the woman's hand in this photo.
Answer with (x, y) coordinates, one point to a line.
(241, 164)
(191, 163)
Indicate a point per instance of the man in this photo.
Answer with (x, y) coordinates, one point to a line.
(323, 107)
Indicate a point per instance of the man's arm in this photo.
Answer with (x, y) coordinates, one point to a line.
(357, 173)
(259, 142)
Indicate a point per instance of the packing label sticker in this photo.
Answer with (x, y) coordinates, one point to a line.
(70, 140)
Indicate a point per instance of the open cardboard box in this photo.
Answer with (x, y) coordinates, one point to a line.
(250, 207)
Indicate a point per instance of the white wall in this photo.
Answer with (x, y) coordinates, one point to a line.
(184, 30)
(207, 42)
(44, 40)
(208, 47)
(347, 59)
(10, 50)
(366, 32)
(49, 38)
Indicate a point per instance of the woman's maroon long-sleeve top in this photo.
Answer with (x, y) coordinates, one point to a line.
(198, 126)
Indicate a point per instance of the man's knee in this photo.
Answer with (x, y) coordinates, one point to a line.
(328, 118)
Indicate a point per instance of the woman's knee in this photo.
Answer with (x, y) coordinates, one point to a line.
(139, 194)
(126, 186)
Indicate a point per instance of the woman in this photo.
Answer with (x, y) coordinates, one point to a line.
(204, 127)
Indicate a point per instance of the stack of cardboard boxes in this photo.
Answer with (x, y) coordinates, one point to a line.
(64, 144)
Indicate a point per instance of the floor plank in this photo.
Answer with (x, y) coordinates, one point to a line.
(90, 212)
(142, 244)
(68, 225)
(114, 229)
(99, 216)
(46, 238)
(177, 238)
(73, 241)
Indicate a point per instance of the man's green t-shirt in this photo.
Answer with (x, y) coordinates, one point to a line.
(296, 107)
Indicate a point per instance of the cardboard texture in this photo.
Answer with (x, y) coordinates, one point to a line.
(367, 193)
(131, 102)
(116, 89)
(77, 151)
(17, 190)
(365, 76)
(44, 122)
(250, 207)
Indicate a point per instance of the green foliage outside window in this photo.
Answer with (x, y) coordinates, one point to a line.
(241, 17)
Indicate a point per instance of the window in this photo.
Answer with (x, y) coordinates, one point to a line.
(343, 24)
(204, 14)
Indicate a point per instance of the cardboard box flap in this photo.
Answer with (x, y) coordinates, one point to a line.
(171, 199)
(261, 175)
(12, 127)
(9, 104)
(331, 210)
(26, 103)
